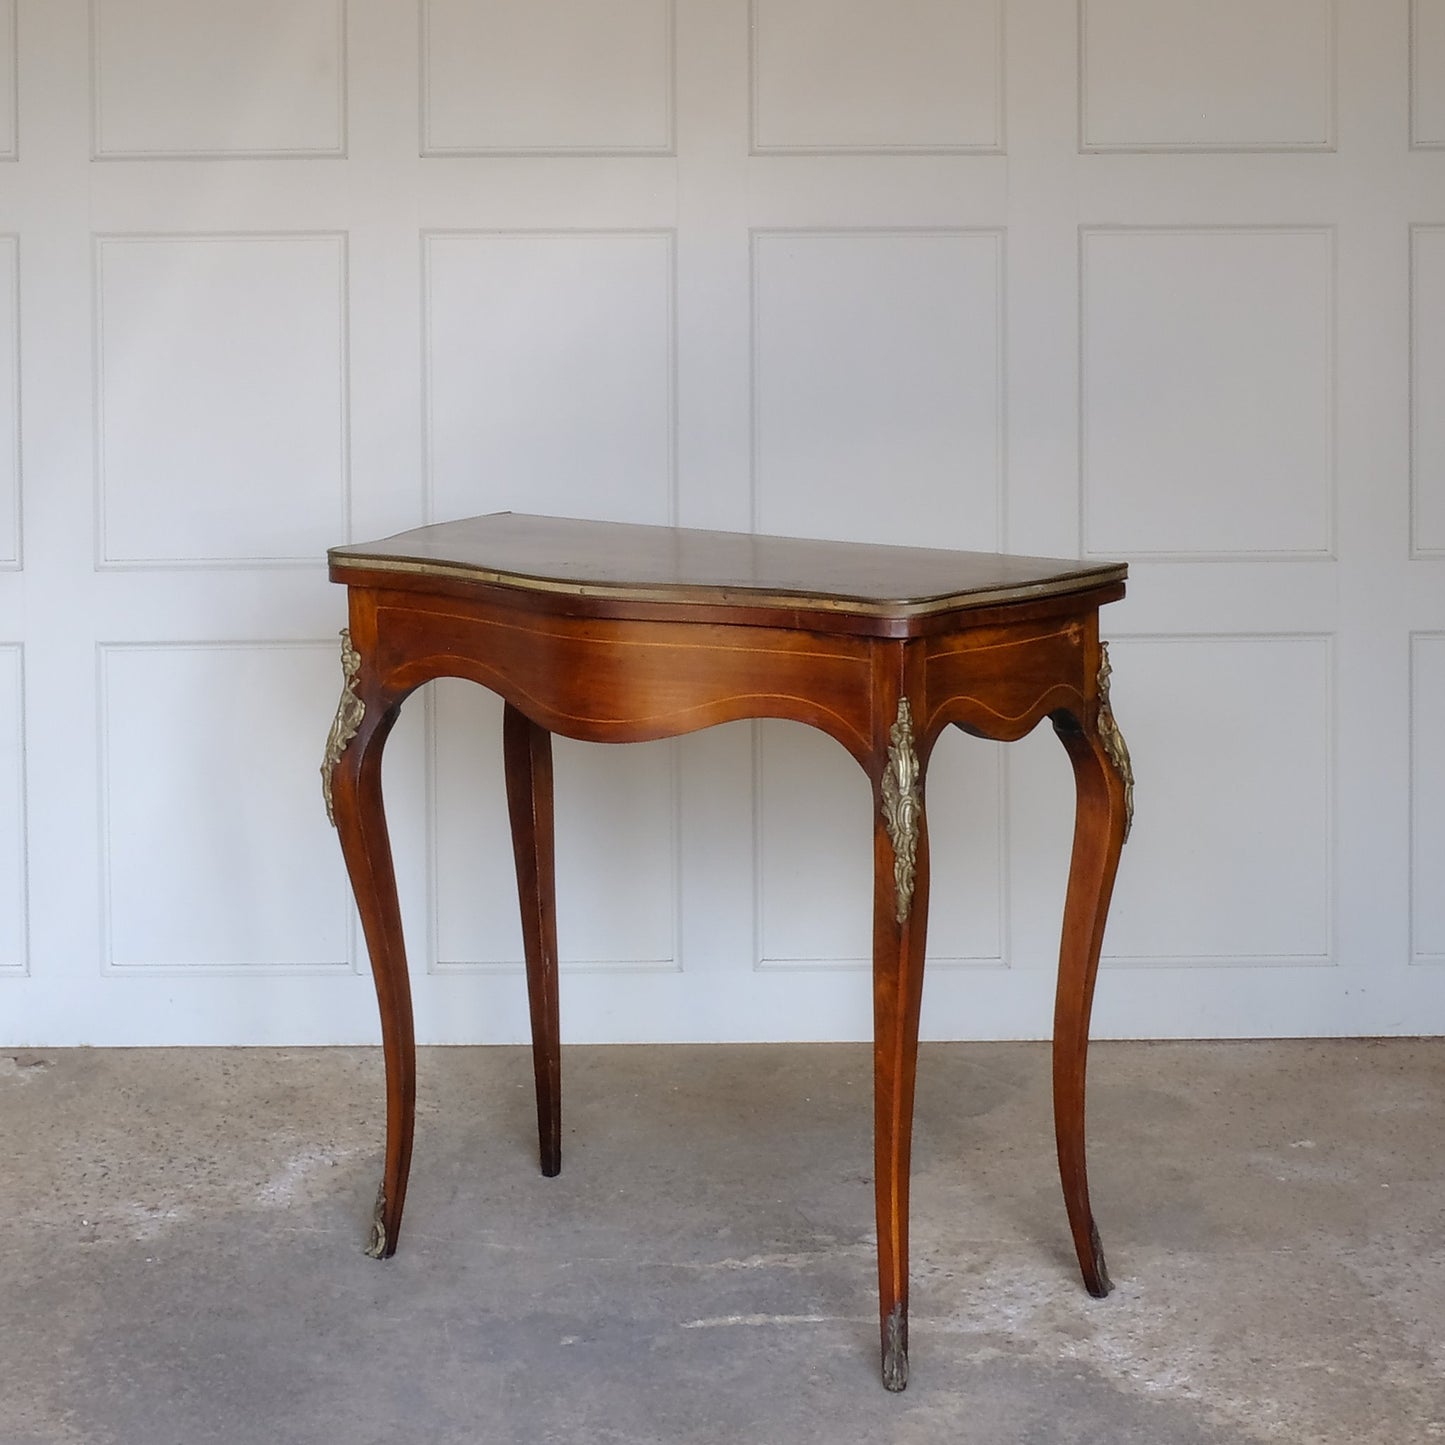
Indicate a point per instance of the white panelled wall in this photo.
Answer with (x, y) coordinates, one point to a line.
(1152, 279)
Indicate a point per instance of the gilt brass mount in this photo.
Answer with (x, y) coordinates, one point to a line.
(349, 713)
(902, 807)
(1113, 739)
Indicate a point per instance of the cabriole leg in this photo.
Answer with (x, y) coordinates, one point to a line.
(527, 750)
(900, 915)
(1104, 781)
(351, 784)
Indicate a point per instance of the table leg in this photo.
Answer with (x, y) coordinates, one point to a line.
(1104, 782)
(900, 916)
(351, 778)
(527, 750)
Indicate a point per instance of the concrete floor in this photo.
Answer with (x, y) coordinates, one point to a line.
(183, 1259)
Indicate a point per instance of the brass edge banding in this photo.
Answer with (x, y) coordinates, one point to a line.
(1113, 739)
(349, 713)
(739, 595)
(902, 807)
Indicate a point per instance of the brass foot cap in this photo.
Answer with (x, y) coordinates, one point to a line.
(895, 1351)
(376, 1244)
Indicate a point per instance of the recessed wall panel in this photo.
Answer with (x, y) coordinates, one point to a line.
(217, 852)
(1427, 707)
(14, 900)
(221, 383)
(816, 851)
(10, 483)
(1227, 75)
(877, 386)
(9, 73)
(565, 76)
(1231, 855)
(550, 374)
(217, 78)
(1427, 389)
(1427, 73)
(1207, 381)
(877, 75)
(616, 845)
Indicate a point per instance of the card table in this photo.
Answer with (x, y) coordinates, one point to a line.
(615, 633)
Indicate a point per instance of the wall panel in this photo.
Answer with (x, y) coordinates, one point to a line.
(1232, 854)
(221, 398)
(878, 386)
(14, 894)
(11, 486)
(1229, 75)
(1427, 390)
(1427, 873)
(217, 854)
(223, 78)
(815, 852)
(1207, 392)
(616, 811)
(549, 374)
(9, 82)
(562, 76)
(1427, 74)
(862, 75)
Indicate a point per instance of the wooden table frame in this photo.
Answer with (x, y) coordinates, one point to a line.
(631, 661)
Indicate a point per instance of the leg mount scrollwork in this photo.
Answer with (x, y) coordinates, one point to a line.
(349, 713)
(1113, 739)
(903, 806)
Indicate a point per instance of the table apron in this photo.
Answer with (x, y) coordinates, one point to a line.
(1000, 682)
(614, 680)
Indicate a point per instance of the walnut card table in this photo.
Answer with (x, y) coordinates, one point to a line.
(615, 633)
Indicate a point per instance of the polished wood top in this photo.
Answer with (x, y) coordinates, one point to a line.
(625, 562)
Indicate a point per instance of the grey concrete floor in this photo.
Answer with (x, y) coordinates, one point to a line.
(182, 1258)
